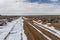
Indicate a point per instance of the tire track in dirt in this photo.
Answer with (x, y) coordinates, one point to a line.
(36, 35)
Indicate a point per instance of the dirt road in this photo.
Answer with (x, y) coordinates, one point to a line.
(33, 32)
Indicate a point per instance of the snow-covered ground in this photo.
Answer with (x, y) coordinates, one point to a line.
(13, 31)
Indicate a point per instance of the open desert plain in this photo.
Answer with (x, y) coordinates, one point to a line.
(44, 27)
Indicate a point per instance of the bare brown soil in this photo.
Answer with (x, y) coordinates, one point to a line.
(33, 34)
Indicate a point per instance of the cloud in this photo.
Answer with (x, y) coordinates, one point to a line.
(54, 0)
(18, 7)
(42, 9)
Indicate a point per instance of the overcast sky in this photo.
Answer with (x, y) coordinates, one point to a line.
(30, 7)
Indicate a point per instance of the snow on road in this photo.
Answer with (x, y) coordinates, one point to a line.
(13, 31)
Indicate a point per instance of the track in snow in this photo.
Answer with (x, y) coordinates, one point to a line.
(13, 31)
